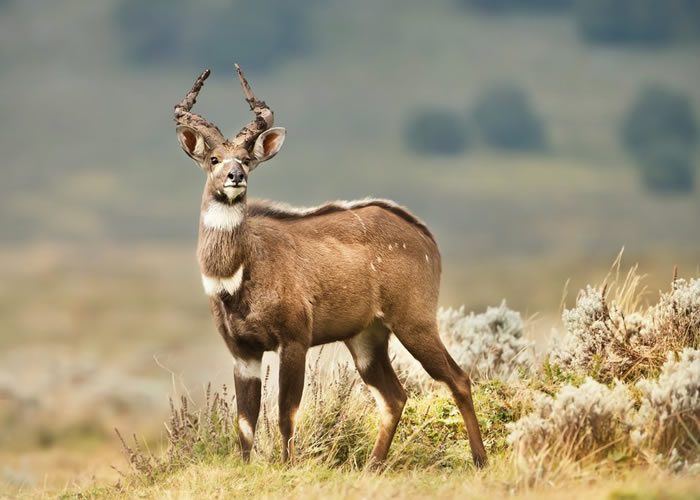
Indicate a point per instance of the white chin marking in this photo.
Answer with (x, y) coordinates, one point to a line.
(214, 286)
(246, 429)
(232, 192)
(223, 217)
(246, 368)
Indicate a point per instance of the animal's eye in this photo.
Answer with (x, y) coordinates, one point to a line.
(214, 160)
(245, 161)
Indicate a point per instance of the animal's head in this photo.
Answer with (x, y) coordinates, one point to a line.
(227, 162)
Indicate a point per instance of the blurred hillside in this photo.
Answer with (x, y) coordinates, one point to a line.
(90, 153)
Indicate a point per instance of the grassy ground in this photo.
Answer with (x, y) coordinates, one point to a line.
(227, 478)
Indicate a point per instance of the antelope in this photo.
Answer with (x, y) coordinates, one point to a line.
(285, 279)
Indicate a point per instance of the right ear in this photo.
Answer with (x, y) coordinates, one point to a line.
(193, 143)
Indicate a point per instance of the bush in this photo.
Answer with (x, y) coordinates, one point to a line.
(661, 133)
(506, 120)
(610, 339)
(637, 21)
(436, 131)
(594, 420)
(505, 6)
(624, 21)
(667, 168)
(488, 346)
(668, 420)
(659, 114)
(258, 35)
(580, 422)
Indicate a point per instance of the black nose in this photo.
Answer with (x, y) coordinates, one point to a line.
(237, 176)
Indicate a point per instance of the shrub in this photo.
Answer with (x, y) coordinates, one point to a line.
(580, 422)
(594, 420)
(506, 6)
(661, 133)
(435, 131)
(624, 21)
(610, 339)
(667, 168)
(506, 120)
(659, 114)
(668, 420)
(213, 34)
(487, 346)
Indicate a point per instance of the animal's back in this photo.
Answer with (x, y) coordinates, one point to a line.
(362, 259)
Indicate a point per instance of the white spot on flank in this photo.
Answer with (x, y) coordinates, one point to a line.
(379, 260)
(371, 264)
(404, 246)
(380, 314)
(223, 217)
(391, 247)
(246, 429)
(246, 368)
(426, 258)
(214, 286)
(382, 406)
(362, 223)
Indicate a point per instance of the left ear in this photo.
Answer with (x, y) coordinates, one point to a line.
(269, 143)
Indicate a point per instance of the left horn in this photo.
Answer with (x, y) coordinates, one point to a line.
(183, 115)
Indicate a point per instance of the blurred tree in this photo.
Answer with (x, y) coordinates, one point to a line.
(214, 33)
(505, 6)
(436, 131)
(505, 119)
(617, 21)
(661, 133)
(667, 167)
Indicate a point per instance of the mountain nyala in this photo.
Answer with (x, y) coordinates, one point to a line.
(285, 279)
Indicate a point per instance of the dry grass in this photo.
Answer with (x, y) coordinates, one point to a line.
(336, 428)
(613, 334)
(624, 386)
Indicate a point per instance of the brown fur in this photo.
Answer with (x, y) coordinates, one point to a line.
(345, 271)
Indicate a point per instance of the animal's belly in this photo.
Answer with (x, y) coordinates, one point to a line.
(340, 319)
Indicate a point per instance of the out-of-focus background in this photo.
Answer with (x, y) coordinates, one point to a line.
(535, 137)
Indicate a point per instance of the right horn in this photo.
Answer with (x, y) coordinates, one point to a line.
(264, 117)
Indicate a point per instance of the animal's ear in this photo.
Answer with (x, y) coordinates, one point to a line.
(193, 143)
(268, 144)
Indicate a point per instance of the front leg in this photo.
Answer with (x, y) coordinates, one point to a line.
(246, 374)
(291, 387)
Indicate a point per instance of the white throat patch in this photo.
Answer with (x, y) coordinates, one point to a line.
(214, 286)
(223, 217)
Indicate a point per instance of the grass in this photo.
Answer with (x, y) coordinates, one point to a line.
(225, 478)
(430, 454)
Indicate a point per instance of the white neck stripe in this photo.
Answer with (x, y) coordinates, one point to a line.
(223, 217)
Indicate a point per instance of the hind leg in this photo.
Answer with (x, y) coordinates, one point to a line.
(370, 352)
(423, 341)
